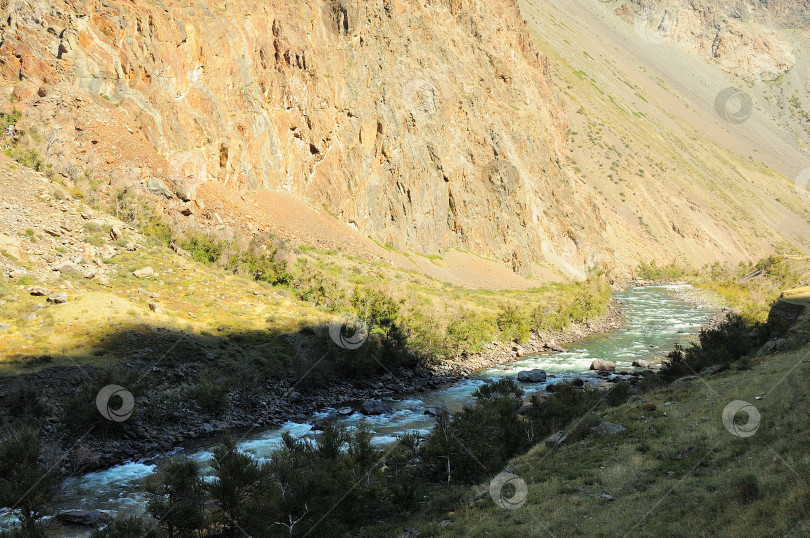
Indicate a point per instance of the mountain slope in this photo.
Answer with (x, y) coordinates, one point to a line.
(645, 134)
(426, 128)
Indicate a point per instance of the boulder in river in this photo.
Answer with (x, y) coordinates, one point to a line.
(602, 365)
(375, 407)
(532, 376)
(641, 363)
(86, 518)
(434, 411)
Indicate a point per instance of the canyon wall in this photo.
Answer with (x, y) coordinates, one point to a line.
(426, 125)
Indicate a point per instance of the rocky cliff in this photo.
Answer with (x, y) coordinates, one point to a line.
(424, 125)
(738, 35)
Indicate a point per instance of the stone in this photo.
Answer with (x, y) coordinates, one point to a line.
(771, 346)
(38, 291)
(784, 313)
(345, 411)
(156, 308)
(555, 439)
(84, 459)
(116, 233)
(11, 245)
(106, 252)
(532, 376)
(68, 268)
(716, 369)
(685, 380)
(85, 518)
(156, 186)
(144, 272)
(58, 298)
(607, 428)
(434, 411)
(603, 365)
(641, 363)
(375, 407)
(185, 190)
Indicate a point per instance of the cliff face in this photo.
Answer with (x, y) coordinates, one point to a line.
(426, 125)
(737, 35)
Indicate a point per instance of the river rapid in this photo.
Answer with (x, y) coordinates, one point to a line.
(654, 322)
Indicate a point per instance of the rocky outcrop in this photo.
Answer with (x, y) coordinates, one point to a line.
(735, 35)
(425, 126)
(604, 429)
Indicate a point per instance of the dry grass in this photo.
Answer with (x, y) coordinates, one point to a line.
(692, 477)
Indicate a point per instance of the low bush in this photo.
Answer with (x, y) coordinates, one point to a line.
(513, 324)
(730, 341)
(211, 395)
(619, 394)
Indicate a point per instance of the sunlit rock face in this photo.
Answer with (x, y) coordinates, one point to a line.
(425, 125)
(738, 35)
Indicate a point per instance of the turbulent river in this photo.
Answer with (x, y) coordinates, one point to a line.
(654, 323)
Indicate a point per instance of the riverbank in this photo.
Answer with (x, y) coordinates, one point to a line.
(499, 353)
(165, 419)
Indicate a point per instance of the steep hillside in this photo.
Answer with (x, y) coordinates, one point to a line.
(426, 127)
(684, 183)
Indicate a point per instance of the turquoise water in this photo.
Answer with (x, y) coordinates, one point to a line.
(655, 322)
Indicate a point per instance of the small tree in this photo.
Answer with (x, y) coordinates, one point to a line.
(361, 450)
(237, 475)
(178, 497)
(25, 486)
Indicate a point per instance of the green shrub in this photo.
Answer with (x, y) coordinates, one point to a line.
(7, 119)
(513, 324)
(619, 394)
(489, 431)
(177, 497)
(210, 395)
(730, 341)
(26, 402)
(202, 248)
(468, 332)
(24, 484)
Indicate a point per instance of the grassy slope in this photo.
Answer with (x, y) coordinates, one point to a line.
(203, 298)
(692, 477)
